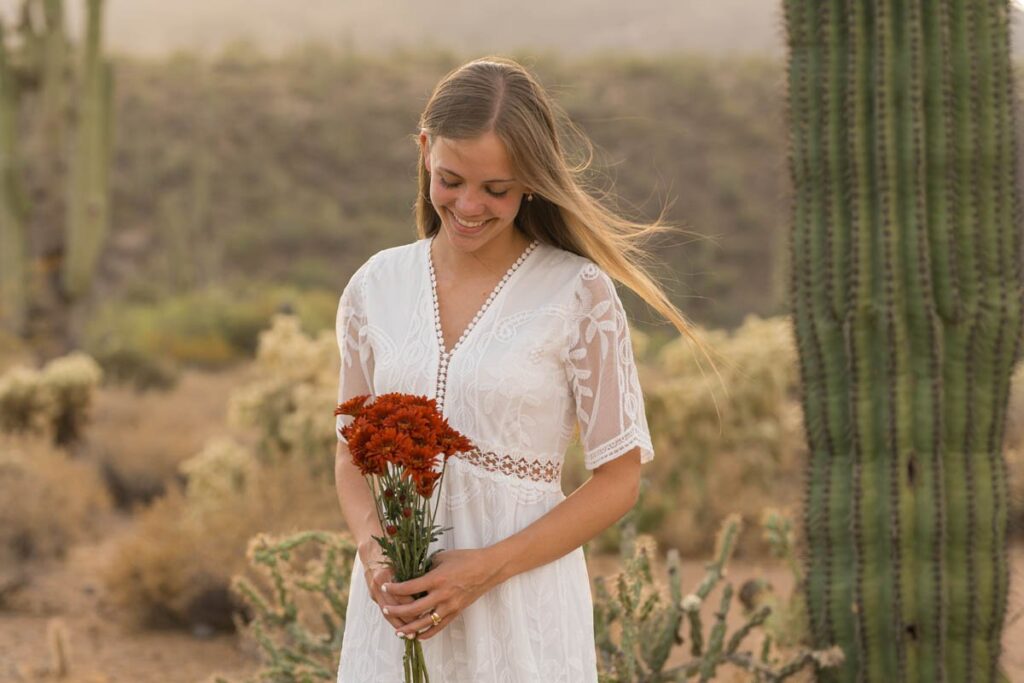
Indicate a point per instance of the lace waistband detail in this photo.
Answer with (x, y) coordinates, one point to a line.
(524, 468)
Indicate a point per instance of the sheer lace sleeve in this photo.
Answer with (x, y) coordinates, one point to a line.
(356, 375)
(601, 370)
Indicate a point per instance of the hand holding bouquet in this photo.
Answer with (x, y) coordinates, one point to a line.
(398, 443)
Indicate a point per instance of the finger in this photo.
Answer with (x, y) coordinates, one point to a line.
(410, 587)
(430, 630)
(414, 609)
(387, 606)
(391, 597)
(423, 624)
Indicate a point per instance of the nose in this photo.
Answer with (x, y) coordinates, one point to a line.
(469, 204)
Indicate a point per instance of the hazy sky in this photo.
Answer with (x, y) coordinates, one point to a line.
(156, 27)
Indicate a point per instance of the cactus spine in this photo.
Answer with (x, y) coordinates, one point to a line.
(906, 298)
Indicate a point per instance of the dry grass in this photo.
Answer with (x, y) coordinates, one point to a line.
(57, 501)
(175, 568)
(139, 440)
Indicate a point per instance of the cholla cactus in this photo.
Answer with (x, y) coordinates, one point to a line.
(53, 401)
(216, 473)
(298, 644)
(71, 381)
(298, 376)
(755, 427)
(652, 625)
(24, 406)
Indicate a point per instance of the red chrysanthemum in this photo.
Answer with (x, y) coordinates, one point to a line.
(390, 445)
(451, 442)
(404, 430)
(353, 406)
(424, 481)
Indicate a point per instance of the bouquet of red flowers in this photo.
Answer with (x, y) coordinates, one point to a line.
(397, 442)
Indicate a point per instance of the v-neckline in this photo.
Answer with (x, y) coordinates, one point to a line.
(446, 353)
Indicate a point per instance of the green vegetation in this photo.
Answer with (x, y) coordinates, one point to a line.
(906, 288)
(297, 169)
(147, 340)
(650, 625)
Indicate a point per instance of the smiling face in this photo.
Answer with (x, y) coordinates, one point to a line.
(474, 191)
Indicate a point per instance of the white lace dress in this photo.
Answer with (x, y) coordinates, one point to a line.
(549, 348)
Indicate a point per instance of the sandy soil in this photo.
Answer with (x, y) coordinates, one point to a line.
(66, 596)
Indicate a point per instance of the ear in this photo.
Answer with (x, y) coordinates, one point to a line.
(425, 149)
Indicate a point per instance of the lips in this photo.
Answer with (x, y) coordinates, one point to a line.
(465, 229)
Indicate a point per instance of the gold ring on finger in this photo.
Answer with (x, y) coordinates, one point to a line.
(434, 617)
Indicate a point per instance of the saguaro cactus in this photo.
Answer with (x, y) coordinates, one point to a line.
(12, 225)
(906, 298)
(64, 157)
(88, 214)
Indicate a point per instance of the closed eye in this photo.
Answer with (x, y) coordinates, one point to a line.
(446, 184)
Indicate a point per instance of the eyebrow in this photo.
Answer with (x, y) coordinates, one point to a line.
(493, 180)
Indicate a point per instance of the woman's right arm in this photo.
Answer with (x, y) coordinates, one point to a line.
(357, 505)
(357, 508)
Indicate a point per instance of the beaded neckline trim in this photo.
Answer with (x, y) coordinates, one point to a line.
(442, 370)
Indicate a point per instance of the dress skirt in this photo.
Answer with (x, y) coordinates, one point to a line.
(536, 627)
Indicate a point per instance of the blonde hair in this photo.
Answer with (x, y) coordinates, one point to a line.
(498, 94)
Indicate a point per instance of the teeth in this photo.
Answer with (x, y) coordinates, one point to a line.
(468, 224)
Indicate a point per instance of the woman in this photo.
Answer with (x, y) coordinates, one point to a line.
(504, 310)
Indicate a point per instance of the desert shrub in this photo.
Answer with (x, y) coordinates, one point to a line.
(273, 480)
(289, 406)
(135, 367)
(49, 500)
(210, 328)
(175, 567)
(140, 440)
(712, 447)
(54, 401)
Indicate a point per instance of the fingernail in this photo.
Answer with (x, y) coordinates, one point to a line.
(384, 588)
(399, 634)
(386, 611)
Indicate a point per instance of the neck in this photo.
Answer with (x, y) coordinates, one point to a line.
(493, 258)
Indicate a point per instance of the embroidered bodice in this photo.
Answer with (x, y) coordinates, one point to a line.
(549, 347)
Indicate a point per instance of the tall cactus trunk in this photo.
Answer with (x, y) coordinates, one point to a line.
(88, 210)
(906, 293)
(64, 154)
(45, 156)
(12, 213)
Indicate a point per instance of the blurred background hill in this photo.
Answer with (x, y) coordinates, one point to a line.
(267, 140)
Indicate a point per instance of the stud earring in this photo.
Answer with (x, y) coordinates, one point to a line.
(529, 197)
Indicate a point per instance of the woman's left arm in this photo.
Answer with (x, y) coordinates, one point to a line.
(459, 577)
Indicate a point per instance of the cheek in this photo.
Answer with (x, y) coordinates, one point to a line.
(438, 195)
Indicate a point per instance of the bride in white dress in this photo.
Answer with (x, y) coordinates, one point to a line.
(506, 312)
